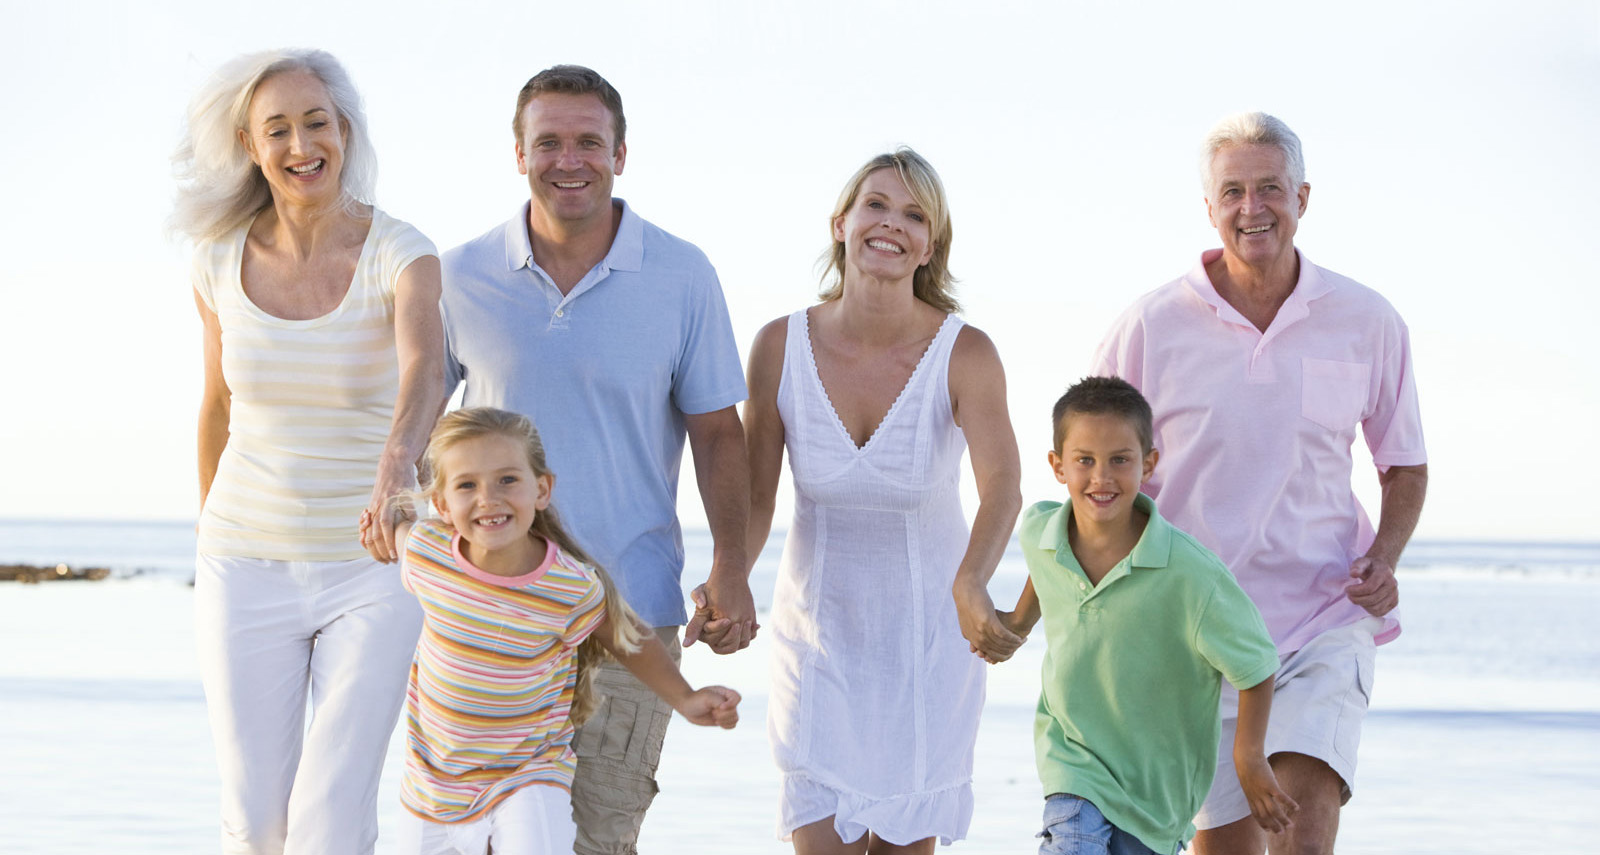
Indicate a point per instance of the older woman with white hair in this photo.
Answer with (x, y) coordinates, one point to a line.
(323, 375)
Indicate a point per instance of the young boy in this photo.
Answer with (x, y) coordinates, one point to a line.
(1140, 622)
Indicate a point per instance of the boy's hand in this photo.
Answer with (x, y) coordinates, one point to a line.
(1272, 809)
(1015, 622)
(1009, 620)
(981, 626)
(712, 705)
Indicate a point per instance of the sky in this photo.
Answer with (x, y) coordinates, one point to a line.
(1451, 149)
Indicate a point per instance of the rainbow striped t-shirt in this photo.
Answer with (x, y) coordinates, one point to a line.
(488, 706)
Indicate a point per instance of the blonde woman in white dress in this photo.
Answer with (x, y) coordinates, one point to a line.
(881, 602)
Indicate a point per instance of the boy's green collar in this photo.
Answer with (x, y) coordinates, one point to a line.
(1153, 550)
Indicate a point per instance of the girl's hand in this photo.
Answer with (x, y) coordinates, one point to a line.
(712, 705)
(1272, 808)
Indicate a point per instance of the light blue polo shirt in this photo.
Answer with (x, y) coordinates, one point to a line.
(606, 373)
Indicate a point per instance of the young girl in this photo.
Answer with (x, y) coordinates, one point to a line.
(514, 615)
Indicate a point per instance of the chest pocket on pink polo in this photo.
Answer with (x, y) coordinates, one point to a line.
(1333, 393)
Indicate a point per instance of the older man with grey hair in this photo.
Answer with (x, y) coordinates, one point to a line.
(1260, 366)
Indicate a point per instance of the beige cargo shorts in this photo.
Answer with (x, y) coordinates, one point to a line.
(618, 749)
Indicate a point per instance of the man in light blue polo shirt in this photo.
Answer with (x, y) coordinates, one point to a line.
(613, 336)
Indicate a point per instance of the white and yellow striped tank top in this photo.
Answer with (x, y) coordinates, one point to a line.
(312, 404)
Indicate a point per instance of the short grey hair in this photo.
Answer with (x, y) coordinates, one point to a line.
(1252, 129)
(219, 188)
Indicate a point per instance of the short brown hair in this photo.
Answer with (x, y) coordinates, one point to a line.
(571, 80)
(1105, 396)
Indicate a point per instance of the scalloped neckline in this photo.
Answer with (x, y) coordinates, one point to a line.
(816, 374)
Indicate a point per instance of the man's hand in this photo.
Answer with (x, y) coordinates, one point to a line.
(1375, 587)
(724, 616)
(981, 624)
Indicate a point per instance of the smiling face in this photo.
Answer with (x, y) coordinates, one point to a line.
(488, 492)
(294, 135)
(1253, 206)
(1103, 465)
(569, 152)
(885, 233)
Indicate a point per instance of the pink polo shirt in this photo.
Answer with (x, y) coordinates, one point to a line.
(1255, 431)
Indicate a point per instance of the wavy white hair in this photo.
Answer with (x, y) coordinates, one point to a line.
(1252, 129)
(219, 188)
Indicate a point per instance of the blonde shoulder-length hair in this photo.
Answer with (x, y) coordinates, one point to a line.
(932, 282)
(219, 188)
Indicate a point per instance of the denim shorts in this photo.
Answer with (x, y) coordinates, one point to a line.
(1074, 826)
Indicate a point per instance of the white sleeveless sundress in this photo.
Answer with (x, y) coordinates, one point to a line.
(875, 693)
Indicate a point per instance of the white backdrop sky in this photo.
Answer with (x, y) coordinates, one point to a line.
(1451, 148)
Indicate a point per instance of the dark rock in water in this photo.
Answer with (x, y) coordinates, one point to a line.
(29, 573)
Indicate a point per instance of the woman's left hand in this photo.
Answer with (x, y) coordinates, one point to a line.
(981, 626)
(386, 511)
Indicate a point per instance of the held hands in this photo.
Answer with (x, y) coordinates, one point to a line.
(1015, 622)
(1012, 621)
(370, 536)
(1375, 587)
(1273, 810)
(382, 515)
(985, 631)
(712, 705)
(724, 615)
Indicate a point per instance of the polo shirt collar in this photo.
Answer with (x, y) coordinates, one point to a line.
(1311, 285)
(1152, 552)
(626, 253)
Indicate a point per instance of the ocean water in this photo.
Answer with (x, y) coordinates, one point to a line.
(1484, 734)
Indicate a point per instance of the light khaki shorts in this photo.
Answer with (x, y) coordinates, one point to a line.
(618, 749)
(1319, 701)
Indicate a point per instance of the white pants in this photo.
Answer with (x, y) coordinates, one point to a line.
(268, 632)
(535, 820)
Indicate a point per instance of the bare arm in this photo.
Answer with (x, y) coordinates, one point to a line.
(763, 431)
(722, 469)
(978, 401)
(419, 348)
(653, 666)
(216, 402)
(1374, 587)
(1272, 809)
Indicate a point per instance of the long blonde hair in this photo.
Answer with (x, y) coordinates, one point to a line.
(627, 630)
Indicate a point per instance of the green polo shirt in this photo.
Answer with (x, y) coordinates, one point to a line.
(1127, 714)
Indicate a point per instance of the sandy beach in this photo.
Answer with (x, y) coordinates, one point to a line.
(1493, 691)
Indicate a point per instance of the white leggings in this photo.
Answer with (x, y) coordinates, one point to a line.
(269, 631)
(535, 820)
